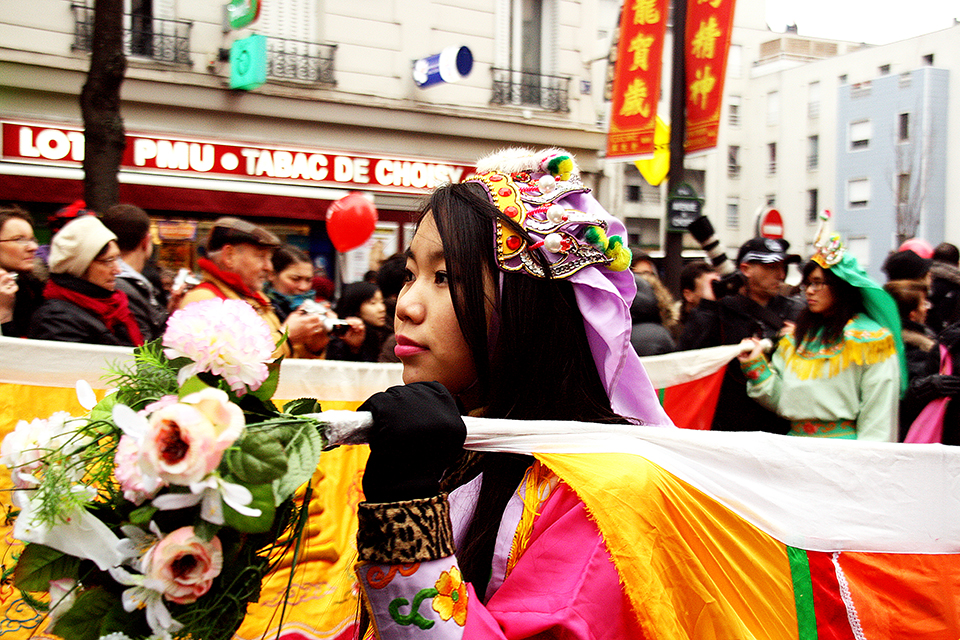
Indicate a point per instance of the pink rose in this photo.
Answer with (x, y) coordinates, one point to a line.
(136, 487)
(185, 441)
(184, 565)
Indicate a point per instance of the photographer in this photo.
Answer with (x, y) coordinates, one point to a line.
(748, 304)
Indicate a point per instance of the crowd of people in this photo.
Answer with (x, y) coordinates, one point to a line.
(96, 283)
(841, 355)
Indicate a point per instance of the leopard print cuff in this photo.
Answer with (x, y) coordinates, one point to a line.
(407, 531)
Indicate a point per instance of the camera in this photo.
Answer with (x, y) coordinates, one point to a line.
(703, 232)
(185, 279)
(336, 327)
(312, 306)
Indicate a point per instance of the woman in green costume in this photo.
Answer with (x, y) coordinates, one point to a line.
(840, 373)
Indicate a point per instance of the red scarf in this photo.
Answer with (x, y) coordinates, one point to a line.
(232, 280)
(111, 309)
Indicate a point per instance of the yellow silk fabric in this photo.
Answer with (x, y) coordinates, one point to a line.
(692, 568)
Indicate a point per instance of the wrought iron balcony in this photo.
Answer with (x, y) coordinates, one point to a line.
(301, 61)
(143, 37)
(535, 89)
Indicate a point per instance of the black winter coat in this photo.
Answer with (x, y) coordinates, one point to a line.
(65, 321)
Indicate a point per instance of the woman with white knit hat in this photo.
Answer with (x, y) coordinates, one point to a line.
(83, 303)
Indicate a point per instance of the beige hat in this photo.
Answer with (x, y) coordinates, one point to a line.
(77, 244)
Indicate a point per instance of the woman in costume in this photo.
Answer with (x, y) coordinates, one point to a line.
(83, 303)
(516, 306)
(841, 372)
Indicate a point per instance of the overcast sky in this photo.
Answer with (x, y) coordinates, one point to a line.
(871, 21)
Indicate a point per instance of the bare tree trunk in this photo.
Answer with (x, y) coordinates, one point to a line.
(104, 135)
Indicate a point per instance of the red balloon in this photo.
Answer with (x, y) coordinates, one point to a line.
(350, 221)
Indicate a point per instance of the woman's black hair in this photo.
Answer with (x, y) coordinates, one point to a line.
(287, 255)
(847, 302)
(353, 296)
(533, 361)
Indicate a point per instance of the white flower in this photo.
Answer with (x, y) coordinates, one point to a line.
(81, 534)
(85, 395)
(225, 337)
(146, 593)
(211, 492)
(26, 450)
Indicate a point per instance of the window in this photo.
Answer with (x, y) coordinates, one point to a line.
(633, 193)
(735, 61)
(858, 193)
(903, 127)
(812, 205)
(734, 104)
(903, 188)
(813, 152)
(772, 157)
(813, 100)
(884, 69)
(928, 60)
(526, 48)
(733, 213)
(733, 161)
(860, 133)
(773, 108)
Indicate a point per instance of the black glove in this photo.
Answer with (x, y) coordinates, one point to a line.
(417, 433)
(936, 386)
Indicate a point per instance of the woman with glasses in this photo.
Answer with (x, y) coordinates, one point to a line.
(83, 303)
(18, 246)
(840, 373)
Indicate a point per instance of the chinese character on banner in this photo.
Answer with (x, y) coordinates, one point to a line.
(636, 87)
(709, 26)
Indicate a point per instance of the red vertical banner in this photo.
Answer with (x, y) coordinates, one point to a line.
(636, 86)
(709, 27)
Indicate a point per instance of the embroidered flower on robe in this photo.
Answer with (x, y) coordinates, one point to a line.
(451, 598)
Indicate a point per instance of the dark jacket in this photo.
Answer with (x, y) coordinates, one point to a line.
(648, 335)
(151, 317)
(921, 392)
(28, 299)
(67, 322)
(737, 317)
(369, 350)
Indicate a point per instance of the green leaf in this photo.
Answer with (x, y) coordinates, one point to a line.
(192, 384)
(141, 517)
(39, 564)
(257, 458)
(301, 406)
(104, 409)
(269, 387)
(303, 454)
(205, 530)
(85, 617)
(263, 500)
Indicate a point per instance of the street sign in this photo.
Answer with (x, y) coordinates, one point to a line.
(239, 13)
(770, 224)
(248, 62)
(683, 207)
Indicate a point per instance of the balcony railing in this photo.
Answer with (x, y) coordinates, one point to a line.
(523, 88)
(301, 61)
(143, 37)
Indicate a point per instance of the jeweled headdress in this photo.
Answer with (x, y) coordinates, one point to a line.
(582, 243)
(532, 190)
(830, 253)
(827, 251)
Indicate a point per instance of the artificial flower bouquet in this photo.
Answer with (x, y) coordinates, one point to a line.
(159, 513)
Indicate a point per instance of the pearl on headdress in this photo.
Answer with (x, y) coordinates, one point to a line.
(553, 242)
(547, 183)
(556, 214)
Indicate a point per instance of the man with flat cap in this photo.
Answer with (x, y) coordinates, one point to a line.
(755, 309)
(236, 265)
